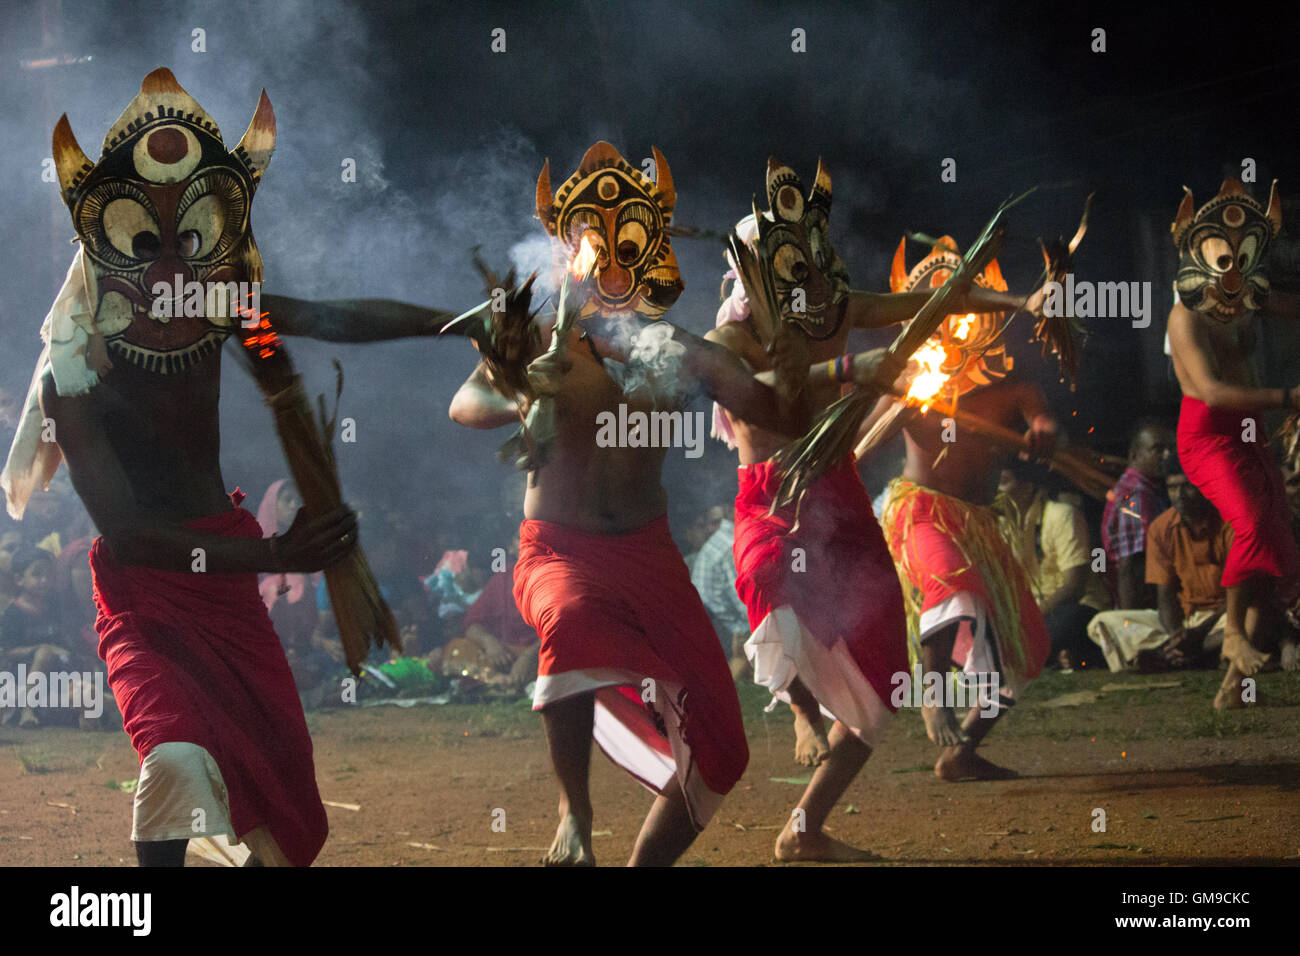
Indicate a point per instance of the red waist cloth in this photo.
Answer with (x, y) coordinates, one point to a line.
(945, 546)
(835, 572)
(625, 602)
(192, 658)
(1244, 483)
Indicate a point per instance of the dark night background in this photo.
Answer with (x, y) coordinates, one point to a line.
(449, 137)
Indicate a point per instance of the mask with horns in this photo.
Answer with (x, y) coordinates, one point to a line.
(165, 199)
(794, 249)
(1221, 248)
(625, 216)
(970, 355)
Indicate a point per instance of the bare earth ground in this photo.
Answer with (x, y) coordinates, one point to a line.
(1180, 784)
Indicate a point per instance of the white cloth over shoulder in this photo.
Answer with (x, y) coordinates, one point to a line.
(66, 333)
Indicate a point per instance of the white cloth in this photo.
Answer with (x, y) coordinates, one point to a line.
(975, 647)
(781, 648)
(630, 738)
(1122, 634)
(181, 795)
(66, 332)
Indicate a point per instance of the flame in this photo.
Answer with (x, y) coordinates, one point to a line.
(584, 263)
(926, 385)
(262, 338)
(962, 328)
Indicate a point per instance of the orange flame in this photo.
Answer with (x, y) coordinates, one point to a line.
(961, 328)
(584, 263)
(930, 380)
(262, 338)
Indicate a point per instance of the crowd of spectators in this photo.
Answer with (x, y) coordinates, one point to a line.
(1137, 590)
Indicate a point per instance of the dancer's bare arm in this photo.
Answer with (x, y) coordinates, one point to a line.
(1189, 345)
(352, 320)
(477, 404)
(1044, 433)
(134, 536)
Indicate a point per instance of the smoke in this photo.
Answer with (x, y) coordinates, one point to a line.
(654, 363)
(446, 138)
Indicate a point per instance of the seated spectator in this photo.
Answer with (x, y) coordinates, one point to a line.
(290, 597)
(700, 530)
(1186, 548)
(1135, 501)
(1051, 540)
(29, 632)
(10, 543)
(496, 641)
(714, 577)
(455, 584)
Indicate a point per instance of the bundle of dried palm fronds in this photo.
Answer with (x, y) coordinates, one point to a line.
(362, 615)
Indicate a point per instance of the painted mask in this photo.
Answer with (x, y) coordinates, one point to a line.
(794, 248)
(963, 348)
(625, 216)
(166, 199)
(1221, 248)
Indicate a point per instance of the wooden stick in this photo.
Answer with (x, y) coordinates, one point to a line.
(1089, 479)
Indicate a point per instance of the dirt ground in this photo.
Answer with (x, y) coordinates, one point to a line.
(1179, 784)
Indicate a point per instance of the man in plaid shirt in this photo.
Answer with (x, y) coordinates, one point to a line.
(1135, 501)
(714, 576)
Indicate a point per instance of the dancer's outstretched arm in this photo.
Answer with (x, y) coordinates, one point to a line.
(352, 320)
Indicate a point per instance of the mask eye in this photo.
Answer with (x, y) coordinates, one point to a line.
(790, 264)
(201, 226)
(214, 207)
(131, 229)
(1216, 253)
(817, 242)
(631, 242)
(146, 246)
(1247, 253)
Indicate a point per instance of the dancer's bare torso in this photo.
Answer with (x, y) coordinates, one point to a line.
(157, 434)
(963, 467)
(583, 485)
(1226, 347)
(756, 444)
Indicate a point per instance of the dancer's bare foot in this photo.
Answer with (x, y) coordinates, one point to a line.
(1229, 696)
(572, 843)
(792, 846)
(1243, 654)
(963, 763)
(941, 726)
(810, 744)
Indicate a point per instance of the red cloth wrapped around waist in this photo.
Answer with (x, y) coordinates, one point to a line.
(834, 571)
(1243, 481)
(193, 658)
(626, 602)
